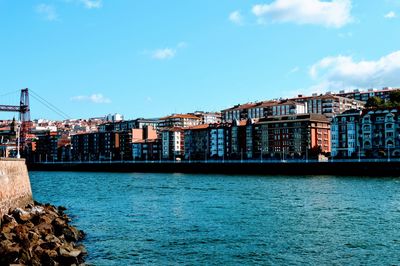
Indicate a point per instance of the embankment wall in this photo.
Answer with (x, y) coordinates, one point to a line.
(15, 186)
(246, 168)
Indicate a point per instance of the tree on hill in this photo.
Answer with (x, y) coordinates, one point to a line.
(374, 102)
(394, 98)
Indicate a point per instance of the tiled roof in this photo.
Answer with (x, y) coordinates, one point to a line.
(180, 116)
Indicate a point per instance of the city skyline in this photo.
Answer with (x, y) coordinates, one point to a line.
(90, 58)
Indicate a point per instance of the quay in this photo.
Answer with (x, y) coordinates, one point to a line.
(298, 168)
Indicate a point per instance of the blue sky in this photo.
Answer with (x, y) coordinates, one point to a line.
(152, 58)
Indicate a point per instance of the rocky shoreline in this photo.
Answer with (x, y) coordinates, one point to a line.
(40, 235)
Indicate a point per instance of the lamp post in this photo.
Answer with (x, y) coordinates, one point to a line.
(388, 146)
(18, 138)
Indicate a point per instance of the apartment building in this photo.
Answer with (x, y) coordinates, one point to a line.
(380, 132)
(293, 136)
(328, 104)
(363, 95)
(172, 141)
(179, 120)
(345, 129)
(197, 142)
(147, 150)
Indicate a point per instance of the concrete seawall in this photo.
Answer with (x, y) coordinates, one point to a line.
(15, 187)
(344, 168)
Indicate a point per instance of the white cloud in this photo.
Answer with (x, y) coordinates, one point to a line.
(182, 45)
(390, 15)
(48, 12)
(92, 3)
(162, 54)
(236, 17)
(344, 72)
(335, 13)
(166, 53)
(94, 98)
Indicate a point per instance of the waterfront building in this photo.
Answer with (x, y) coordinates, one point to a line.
(147, 150)
(363, 95)
(47, 147)
(109, 145)
(237, 139)
(179, 120)
(293, 136)
(172, 141)
(197, 142)
(95, 146)
(380, 132)
(345, 129)
(220, 135)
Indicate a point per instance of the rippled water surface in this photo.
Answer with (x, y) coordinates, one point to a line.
(164, 219)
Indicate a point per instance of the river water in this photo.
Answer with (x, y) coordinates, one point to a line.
(169, 219)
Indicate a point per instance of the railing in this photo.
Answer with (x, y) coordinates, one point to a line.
(255, 161)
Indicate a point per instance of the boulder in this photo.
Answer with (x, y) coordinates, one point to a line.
(40, 235)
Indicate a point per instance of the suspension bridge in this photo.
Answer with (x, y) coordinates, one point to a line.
(9, 103)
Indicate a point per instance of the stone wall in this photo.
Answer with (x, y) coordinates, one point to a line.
(15, 186)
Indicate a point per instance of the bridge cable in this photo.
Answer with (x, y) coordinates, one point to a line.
(49, 105)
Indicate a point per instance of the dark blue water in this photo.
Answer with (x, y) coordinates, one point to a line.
(168, 219)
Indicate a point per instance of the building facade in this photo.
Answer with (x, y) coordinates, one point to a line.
(363, 95)
(345, 129)
(293, 136)
(380, 133)
(172, 141)
(197, 142)
(328, 104)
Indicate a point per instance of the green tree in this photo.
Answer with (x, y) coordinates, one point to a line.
(394, 97)
(374, 102)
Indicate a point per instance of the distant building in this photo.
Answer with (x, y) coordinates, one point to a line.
(179, 120)
(363, 95)
(248, 110)
(345, 129)
(328, 104)
(263, 109)
(208, 117)
(114, 117)
(128, 125)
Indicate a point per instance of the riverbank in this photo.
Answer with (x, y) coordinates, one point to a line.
(40, 235)
(340, 168)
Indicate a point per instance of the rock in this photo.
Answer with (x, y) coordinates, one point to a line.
(40, 235)
(45, 229)
(71, 234)
(59, 224)
(61, 209)
(33, 236)
(7, 219)
(69, 254)
(48, 245)
(21, 216)
(21, 232)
